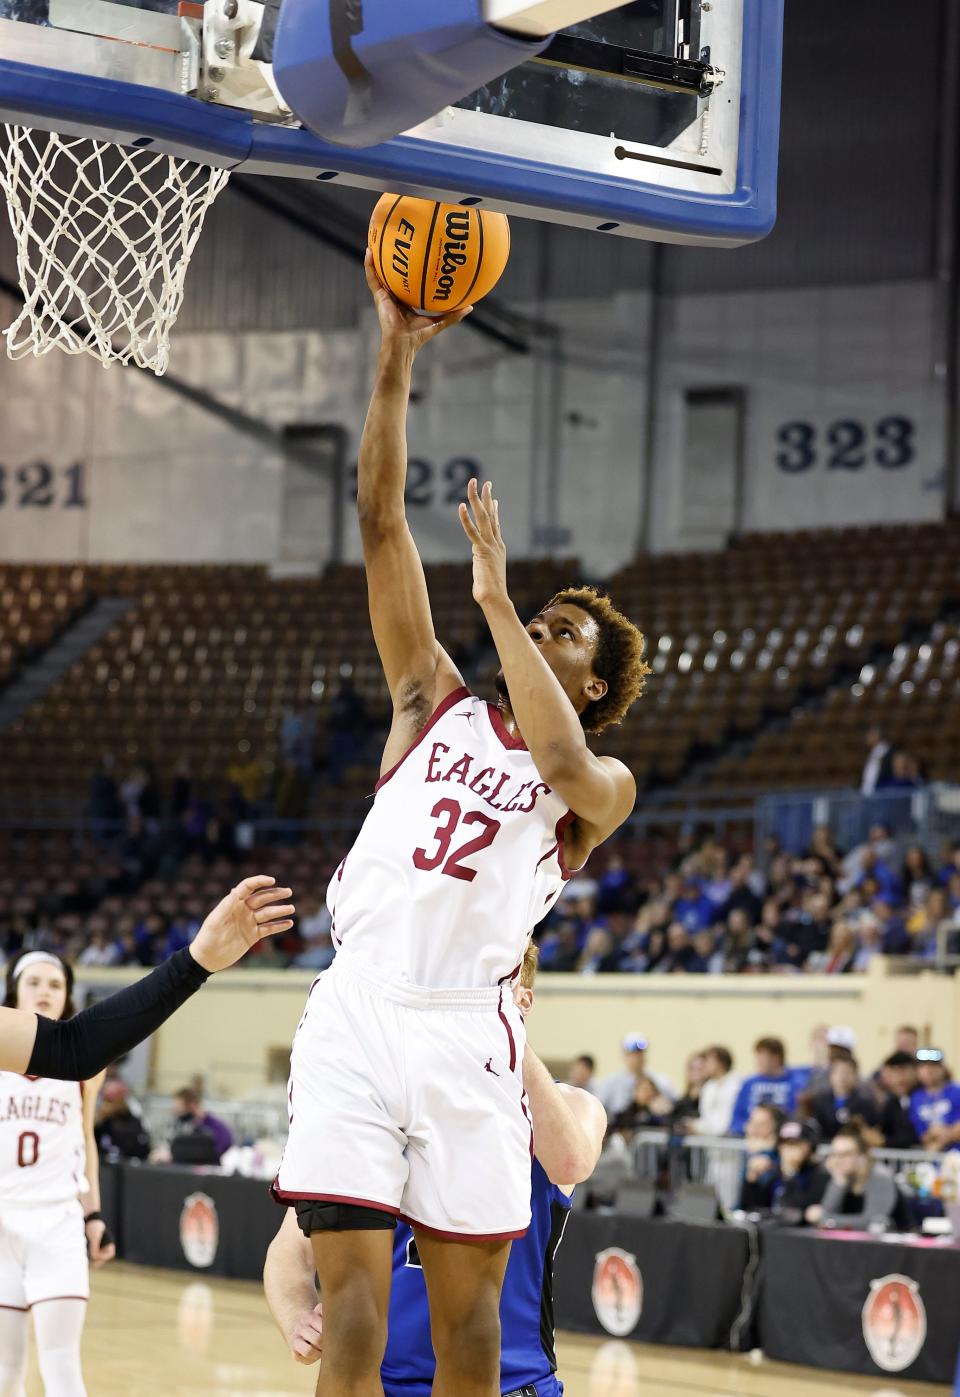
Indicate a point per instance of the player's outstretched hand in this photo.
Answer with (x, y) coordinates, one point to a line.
(481, 524)
(253, 909)
(398, 324)
(305, 1340)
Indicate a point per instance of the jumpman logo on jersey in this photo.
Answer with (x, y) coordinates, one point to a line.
(488, 1068)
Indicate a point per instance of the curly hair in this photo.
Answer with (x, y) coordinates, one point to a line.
(619, 658)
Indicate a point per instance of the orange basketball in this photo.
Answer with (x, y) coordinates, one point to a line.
(437, 257)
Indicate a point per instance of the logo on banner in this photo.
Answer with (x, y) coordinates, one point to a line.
(199, 1229)
(617, 1291)
(894, 1322)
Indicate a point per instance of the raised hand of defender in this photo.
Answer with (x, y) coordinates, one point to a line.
(252, 910)
(401, 326)
(305, 1340)
(480, 518)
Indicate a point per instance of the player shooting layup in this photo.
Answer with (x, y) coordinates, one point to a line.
(406, 1094)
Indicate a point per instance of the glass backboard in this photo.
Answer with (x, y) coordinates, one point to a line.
(659, 119)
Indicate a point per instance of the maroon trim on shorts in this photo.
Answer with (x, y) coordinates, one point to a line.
(49, 1299)
(464, 1236)
(506, 1023)
(514, 744)
(449, 702)
(284, 1196)
(17, 1309)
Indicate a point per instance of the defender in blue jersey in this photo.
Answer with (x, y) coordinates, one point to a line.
(568, 1127)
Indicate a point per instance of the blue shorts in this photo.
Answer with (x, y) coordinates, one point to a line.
(546, 1387)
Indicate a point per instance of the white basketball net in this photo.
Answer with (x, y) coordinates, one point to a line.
(104, 238)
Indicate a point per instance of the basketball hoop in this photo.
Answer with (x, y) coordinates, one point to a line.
(104, 238)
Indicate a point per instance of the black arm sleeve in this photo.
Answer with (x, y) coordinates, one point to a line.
(85, 1045)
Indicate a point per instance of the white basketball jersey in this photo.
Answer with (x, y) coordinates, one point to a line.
(42, 1150)
(460, 857)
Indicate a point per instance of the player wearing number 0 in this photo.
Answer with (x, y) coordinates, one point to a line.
(406, 1091)
(49, 1198)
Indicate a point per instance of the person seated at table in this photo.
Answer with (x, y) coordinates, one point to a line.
(862, 1195)
(935, 1105)
(802, 1182)
(647, 1110)
(843, 1100)
(894, 1088)
(119, 1132)
(762, 1166)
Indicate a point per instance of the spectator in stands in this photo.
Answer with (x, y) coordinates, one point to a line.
(693, 909)
(647, 1109)
(599, 955)
(771, 1084)
(816, 1076)
(925, 921)
(318, 952)
(806, 933)
(738, 941)
(99, 950)
(559, 949)
(582, 1073)
(917, 875)
(894, 937)
(935, 1105)
(118, 1132)
(906, 1040)
(718, 1095)
(191, 1121)
(870, 943)
(680, 958)
(762, 1164)
(709, 956)
(879, 762)
(617, 1091)
(687, 1106)
(861, 1195)
(802, 1181)
(844, 1100)
(904, 773)
(894, 1091)
(838, 958)
(746, 885)
(824, 848)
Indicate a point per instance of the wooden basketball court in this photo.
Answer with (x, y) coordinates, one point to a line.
(152, 1333)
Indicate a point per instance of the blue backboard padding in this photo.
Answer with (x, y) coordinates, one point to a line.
(409, 62)
(228, 138)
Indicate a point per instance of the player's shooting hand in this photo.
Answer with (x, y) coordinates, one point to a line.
(305, 1340)
(400, 327)
(253, 909)
(480, 518)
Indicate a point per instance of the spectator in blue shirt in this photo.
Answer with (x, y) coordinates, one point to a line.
(772, 1084)
(935, 1105)
(693, 908)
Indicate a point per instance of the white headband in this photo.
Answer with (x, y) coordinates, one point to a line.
(35, 958)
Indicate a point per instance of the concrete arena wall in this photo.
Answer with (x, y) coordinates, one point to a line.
(243, 1020)
(843, 423)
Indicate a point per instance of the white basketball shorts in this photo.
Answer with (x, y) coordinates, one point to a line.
(43, 1254)
(410, 1100)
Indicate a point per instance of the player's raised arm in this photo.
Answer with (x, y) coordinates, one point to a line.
(418, 672)
(568, 1125)
(78, 1048)
(601, 791)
